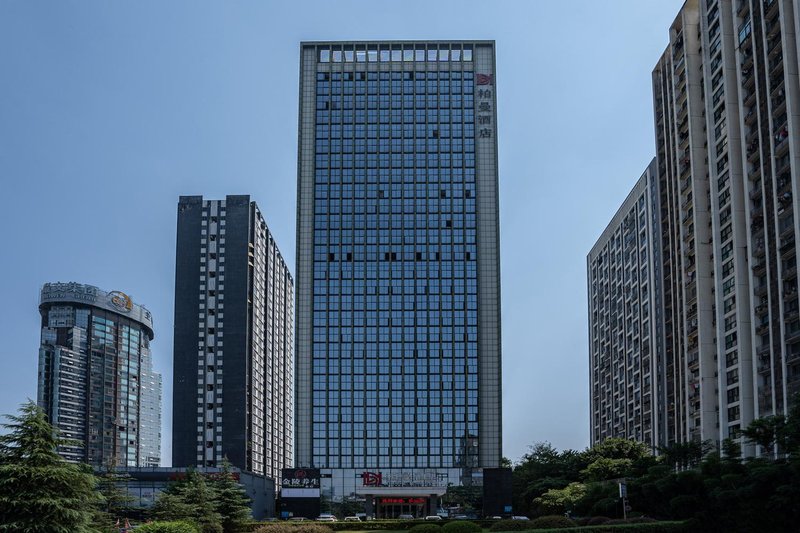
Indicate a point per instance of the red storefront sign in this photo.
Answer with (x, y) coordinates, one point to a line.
(402, 501)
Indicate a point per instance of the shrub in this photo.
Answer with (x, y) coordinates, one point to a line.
(684, 506)
(641, 520)
(168, 527)
(426, 528)
(510, 525)
(598, 520)
(373, 525)
(551, 522)
(461, 526)
(299, 527)
(635, 520)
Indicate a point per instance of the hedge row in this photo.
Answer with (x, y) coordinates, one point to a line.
(168, 527)
(654, 527)
(394, 525)
(540, 525)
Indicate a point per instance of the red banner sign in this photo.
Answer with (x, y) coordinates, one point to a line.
(402, 501)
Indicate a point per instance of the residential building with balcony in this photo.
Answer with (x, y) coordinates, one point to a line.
(769, 99)
(685, 234)
(626, 361)
(726, 105)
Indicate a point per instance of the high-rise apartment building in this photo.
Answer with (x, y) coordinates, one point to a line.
(150, 413)
(398, 303)
(233, 358)
(686, 247)
(726, 99)
(96, 382)
(626, 370)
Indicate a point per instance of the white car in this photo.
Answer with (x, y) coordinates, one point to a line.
(326, 518)
(520, 518)
(352, 519)
(433, 517)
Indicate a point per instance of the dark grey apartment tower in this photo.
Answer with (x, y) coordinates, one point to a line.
(398, 304)
(233, 356)
(96, 378)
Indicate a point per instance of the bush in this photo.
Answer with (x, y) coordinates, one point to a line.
(211, 528)
(510, 525)
(168, 527)
(461, 526)
(426, 528)
(293, 527)
(551, 522)
(656, 527)
(598, 520)
(634, 520)
(374, 525)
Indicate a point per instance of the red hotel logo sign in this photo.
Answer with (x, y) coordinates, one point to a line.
(371, 479)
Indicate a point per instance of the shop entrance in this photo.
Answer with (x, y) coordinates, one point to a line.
(395, 507)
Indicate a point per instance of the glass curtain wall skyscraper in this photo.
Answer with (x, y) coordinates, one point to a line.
(398, 309)
(96, 378)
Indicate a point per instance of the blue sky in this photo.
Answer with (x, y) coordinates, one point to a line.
(111, 110)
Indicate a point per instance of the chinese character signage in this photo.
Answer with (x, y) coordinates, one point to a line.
(300, 478)
(483, 105)
(404, 478)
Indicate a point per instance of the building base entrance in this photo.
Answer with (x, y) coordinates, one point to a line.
(399, 507)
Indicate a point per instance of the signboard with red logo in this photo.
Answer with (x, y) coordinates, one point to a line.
(404, 478)
(300, 478)
(371, 479)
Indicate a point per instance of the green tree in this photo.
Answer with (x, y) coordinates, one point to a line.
(604, 468)
(731, 450)
(557, 501)
(766, 432)
(615, 458)
(189, 499)
(39, 491)
(683, 455)
(541, 469)
(111, 484)
(231, 502)
(617, 448)
(469, 498)
(171, 506)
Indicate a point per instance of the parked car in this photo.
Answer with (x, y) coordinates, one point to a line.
(433, 517)
(405, 517)
(520, 518)
(495, 518)
(352, 519)
(326, 518)
(460, 517)
(298, 519)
